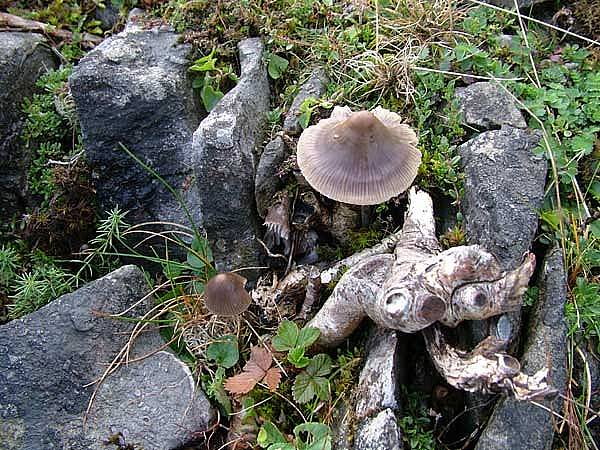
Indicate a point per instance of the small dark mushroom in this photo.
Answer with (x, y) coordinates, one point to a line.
(225, 295)
(361, 158)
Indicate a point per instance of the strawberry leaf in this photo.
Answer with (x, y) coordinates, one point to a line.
(286, 337)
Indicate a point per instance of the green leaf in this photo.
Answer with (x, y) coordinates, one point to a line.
(286, 337)
(311, 382)
(319, 436)
(307, 337)
(269, 434)
(204, 64)
(172, 269)
(276, 65)
(297, 358)
(225, 352)
(222, 398)
(210, 97)
(281, 446)
(320, 365)
(304, 119)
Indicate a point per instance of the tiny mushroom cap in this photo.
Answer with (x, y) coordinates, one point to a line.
(361, 158)
(224, 294)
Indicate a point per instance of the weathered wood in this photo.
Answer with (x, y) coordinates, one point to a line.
(420, 285)
(486, 369)
(425, 285)
(10, 22)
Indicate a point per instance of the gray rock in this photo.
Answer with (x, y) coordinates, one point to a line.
(168, 406)
(369, 422)
(133, 90)
(378, 381)
(23, 58)
(267, 183)
(224, 163)
(380, 432)
(313, 87)
(487, 105)
(504, 188)
(49, 358)
(522, 425)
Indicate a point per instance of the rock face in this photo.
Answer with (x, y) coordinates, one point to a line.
(519, 425)
(371, 419)
(504, 188)
(487, 105)
(223, 149)
(48, 358)
(313, 87)
(23, 58)
(267, 183)
(275, 153)
(133, 90)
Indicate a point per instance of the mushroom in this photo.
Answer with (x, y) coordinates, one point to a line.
(225, 295)
(361, 158)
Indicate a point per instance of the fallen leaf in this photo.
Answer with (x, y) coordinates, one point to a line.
(272, 378)
(258, 368)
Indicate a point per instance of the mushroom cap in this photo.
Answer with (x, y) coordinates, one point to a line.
(224, 294)
(361, 158)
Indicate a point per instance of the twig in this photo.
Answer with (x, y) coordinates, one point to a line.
(9, 22)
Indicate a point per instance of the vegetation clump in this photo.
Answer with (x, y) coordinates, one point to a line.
(407, 56)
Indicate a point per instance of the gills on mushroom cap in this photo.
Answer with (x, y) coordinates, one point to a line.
(225, 294)
(361, 158)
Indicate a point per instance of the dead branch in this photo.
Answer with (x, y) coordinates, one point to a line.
(420, 285)
(485, 369)
(10, 22)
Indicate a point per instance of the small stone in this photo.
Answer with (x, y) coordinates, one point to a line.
(487, 105)
(313, 87)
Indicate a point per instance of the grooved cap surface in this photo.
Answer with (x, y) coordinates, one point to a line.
(361, 158)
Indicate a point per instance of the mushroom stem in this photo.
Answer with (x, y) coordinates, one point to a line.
(365, 216)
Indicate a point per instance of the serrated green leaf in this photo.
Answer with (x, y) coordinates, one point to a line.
(307, 336)
(286, 337)
(224, 353)
(311, 381)
(269, 434)
(297, 358)
(320, 365)
(276, 65)
(303, 388)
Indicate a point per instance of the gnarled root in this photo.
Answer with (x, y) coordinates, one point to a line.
(485, 369)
